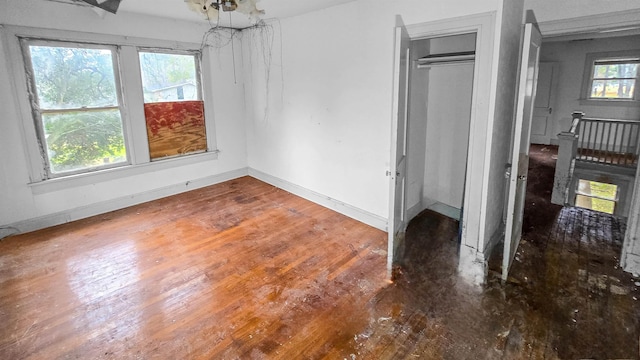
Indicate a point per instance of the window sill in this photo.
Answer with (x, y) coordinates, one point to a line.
(611, 102)
(72, 181)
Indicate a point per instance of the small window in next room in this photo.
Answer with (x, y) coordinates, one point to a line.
(612, 77)
(597, 196)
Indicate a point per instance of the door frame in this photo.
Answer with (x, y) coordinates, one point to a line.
(473, 218)
(630, 253)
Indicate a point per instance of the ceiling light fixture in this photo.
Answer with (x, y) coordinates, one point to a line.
(210, 8)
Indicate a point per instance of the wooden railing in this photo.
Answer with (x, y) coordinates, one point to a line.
(606, 142)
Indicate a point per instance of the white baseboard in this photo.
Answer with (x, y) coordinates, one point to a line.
(330, 203)
(123, 202)
(414, 211)
(436, 206)
(441, 208)
(115, 204)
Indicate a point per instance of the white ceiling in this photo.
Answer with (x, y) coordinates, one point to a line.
(177, 9)
(546, 10)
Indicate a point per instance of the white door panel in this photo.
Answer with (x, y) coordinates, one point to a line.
(521, 140)
(541, 124)
(398, 169)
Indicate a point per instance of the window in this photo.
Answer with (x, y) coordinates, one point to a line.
(597, 196)
(612, 77)
(166, 75)
(100, 102)
(78, 113)
(173, 110)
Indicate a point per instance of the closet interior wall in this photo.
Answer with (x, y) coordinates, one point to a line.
(439, 121)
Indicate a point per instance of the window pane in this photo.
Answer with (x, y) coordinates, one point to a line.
(615, 69)
(605, 206)
(68, 78)
(629, 70)
(598, 189)
(602, 71)
(168, 77)
(83, 139)
(613, 89)
(173, 110)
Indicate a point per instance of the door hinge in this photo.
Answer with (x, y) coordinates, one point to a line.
(507, 172)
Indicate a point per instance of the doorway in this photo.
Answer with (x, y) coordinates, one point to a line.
(472, 235)
(440, 96)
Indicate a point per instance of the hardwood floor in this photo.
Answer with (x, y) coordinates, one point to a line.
(243, 270)
(236, 270)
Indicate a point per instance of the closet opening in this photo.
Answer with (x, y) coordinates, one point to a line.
(440, 96)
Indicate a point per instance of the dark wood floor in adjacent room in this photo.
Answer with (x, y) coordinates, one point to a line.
(243, 270)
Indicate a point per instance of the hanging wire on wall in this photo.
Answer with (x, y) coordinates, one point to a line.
(261, 44)
(260, 38)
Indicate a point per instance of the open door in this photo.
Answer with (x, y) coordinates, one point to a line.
(398, 168)
(517, 185)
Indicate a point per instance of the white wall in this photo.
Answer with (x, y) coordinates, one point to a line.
(507, 53)
(27, 207)
(449, 110)
(630, 259)
(571, 56)
(417, 130)
(324, 122)
(448, 122)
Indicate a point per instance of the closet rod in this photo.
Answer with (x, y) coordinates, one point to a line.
(446, 58)
(442, 63)
(460, 55)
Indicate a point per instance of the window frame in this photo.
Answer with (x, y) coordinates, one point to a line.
(37, 110)
(129, 92)
(195, 54)
(199, 86)
(615, 201)
(588, 78)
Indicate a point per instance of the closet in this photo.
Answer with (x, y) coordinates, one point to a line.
(440, 94)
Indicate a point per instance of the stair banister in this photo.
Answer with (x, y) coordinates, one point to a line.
(567, 150)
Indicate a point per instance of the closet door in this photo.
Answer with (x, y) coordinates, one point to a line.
(398, 169)
(521, 136)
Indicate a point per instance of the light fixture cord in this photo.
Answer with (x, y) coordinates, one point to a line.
(233, 51)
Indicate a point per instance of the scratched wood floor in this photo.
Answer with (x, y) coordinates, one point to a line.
(236, 270)
(243, 270)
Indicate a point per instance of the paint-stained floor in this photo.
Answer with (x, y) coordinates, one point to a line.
(566, 297)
